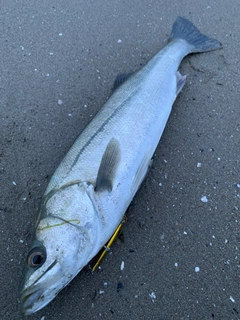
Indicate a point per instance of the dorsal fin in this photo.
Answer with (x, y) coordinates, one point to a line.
(108, 166)
(120, 78)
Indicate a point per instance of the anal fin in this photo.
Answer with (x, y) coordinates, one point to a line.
(180, 81)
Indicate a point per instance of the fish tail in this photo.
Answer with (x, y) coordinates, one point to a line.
(186, 30)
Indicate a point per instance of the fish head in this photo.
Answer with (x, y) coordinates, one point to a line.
(62, 246)
(52, 263)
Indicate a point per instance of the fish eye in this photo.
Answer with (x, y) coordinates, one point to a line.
(36, 257)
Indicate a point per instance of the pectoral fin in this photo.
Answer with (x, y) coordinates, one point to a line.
(108, 166)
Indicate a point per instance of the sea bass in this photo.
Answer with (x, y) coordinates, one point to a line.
(94, 184)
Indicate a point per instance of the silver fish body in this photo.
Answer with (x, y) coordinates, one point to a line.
(91, 189)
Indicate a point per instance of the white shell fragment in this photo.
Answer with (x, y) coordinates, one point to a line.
(204, 199)
(122, 265)
(152, 296)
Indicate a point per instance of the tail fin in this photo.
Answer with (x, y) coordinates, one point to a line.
(184, 29)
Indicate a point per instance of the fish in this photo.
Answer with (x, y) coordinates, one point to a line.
(91, 189)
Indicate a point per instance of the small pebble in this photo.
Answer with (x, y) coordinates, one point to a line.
(119, 286)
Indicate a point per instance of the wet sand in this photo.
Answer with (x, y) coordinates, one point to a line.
(180, 245)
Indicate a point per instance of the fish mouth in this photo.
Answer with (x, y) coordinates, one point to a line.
(29, 299)
(42, 291)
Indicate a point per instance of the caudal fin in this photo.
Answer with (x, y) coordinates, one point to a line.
(185, 29)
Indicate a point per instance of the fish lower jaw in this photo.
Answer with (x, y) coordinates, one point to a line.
(38, 299)
(29, 302)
